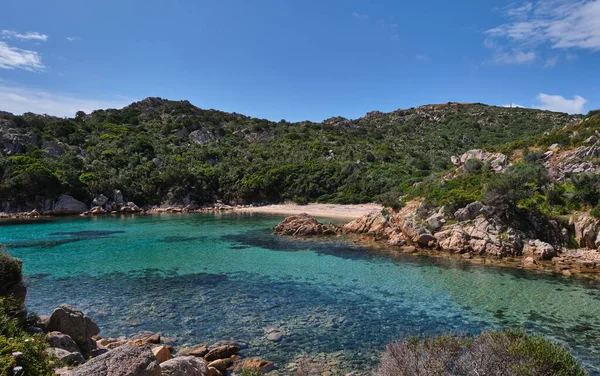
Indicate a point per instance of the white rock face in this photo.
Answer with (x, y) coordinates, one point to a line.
(68, 205)
(498, 161)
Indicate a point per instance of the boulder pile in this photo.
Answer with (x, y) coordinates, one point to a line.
(74, 340)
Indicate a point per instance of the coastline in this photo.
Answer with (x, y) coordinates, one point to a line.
(338, 211)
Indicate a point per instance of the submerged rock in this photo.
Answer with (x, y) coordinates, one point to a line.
(304, 225)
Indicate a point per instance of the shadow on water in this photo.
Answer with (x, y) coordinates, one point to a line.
(24, 221)
(72, 237)
(86, 234)
(41, 243)
(182, 239)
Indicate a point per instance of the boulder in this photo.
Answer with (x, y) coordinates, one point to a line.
(303, 225)
(62, 341)
(100, 200)
(481, 236)
(74, 323)
(118, 198)
(373, 223)
(529, 262)
(201, 136)
(67, 357)
(212, 371)
(124, 361)
(417, 233)
(436, 221)
(154, 339)
(199, 351)
(539, 250)
(68, 205)
(53, 149)
(257, 363)
(220, 364)
(221, 352)
(586, 231)
(184, 365)
(471, 211)
(162, 353)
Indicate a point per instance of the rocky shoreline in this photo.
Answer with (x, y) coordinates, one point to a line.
(474, 234)
(74, 339)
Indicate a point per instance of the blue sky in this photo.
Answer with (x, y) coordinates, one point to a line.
(299, 60)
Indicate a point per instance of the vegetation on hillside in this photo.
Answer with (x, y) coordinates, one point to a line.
(158, 151)
(525, 185)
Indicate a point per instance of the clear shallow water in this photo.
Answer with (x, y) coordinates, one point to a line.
(202, 278)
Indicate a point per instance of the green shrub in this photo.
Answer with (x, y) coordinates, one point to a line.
(389, 200)
(14, 340)
(10, 272)
(518, 182)
(251, 372)
(505, 352)
(473, 166)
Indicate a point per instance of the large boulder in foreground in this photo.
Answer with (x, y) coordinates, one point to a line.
(184, 365)
(74, 323)
(304, 225)
(68, 205)
(123, 361)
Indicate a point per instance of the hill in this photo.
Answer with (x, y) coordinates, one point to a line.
(158, 151)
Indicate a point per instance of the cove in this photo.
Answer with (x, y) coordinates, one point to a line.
(202, 278)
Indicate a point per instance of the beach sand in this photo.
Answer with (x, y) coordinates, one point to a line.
(349, 212)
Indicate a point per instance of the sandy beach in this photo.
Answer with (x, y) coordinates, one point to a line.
(348, 212)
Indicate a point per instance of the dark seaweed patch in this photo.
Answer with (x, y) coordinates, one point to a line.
(41, 243)
(87, 234)
(182, 239)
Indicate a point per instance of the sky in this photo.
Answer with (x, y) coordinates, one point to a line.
(299, 60)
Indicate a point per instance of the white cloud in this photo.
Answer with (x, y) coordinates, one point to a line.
(559, 103)
(30, 35)
(423, 58)
(73, 39)
(502, 56)
(12, 57)
(559, 23)
(514, 57)
(360, 16)
(20, 100)
(552, 62)
(519, 12)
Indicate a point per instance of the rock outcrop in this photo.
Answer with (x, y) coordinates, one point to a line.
(124, 361)
(497, 161)
(68, 205)
(471, 211)
(303, 225)
(481, 236)
(580, 160)
(587, 229)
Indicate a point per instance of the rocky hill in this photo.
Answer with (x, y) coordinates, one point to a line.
(158, 151)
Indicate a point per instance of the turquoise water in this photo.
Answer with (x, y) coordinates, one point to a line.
(201, 278)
